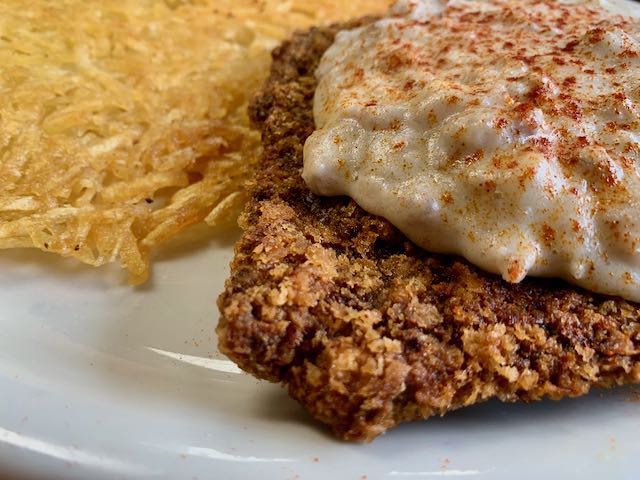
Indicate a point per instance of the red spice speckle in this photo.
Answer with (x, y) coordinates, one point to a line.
(570, 47)
(501, 123)
(548, 235)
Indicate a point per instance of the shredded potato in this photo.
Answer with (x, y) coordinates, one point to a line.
(122, 122)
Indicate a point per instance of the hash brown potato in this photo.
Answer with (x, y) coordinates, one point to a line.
(122, 122)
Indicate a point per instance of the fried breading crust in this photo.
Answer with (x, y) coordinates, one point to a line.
(367, 330)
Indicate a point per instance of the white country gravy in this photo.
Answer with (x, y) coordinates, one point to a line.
(505, 131)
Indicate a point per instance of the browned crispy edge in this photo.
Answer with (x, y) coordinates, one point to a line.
(366, 330)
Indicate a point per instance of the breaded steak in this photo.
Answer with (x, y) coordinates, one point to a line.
(365, 329)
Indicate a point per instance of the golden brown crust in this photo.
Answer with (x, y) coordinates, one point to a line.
(367, 330)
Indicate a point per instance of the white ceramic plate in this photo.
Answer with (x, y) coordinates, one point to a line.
(101, 381)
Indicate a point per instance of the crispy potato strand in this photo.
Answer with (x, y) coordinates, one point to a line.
(122, 122)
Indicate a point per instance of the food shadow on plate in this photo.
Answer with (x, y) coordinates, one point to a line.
(192, 240)
(23, 473)
(30, 261)
(277, 406)
(593, 408)
(476, 419)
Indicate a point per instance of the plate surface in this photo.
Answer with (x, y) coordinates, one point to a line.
(100, 380)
